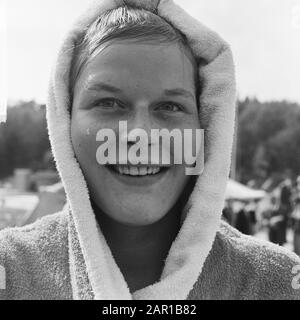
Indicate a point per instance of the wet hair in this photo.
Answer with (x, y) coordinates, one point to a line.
(126, 23)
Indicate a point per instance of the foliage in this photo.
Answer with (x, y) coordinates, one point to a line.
(23, 138)
(268, 139)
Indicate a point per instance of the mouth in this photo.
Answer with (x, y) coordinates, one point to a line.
(137, 171)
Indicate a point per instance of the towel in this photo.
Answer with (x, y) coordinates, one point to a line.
(66, 256)
(37, 263)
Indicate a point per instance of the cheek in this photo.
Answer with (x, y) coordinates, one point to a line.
(83, 136)
(184, 148)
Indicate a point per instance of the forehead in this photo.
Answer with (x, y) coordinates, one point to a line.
(142, 65)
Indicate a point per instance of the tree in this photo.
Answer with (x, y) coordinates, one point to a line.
(268, 138)
(23, 138)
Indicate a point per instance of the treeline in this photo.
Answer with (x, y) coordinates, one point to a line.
(24, 141)
(268, 141)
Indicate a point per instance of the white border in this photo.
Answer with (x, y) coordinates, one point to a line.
(3, 61)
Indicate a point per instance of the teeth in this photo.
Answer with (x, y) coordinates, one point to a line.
(133, 171)
(137, 171)
(121, 170)
(155, 170)
(142, 171)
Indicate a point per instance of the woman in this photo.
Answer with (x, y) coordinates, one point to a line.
(124, 233)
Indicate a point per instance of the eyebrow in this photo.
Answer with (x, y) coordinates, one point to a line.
(168, 92)
(103, 86)
(178, 92)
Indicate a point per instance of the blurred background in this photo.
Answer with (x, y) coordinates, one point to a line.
(263, 194)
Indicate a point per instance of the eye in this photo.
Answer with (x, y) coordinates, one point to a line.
(108, 103)
(169, 107)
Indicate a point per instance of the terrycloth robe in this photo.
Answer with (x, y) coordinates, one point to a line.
(65, 255)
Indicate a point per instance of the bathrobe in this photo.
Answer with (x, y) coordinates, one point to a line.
(65, 255)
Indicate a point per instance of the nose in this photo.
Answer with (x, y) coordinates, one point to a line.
(137, 125)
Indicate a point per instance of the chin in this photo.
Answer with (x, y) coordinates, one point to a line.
(136, 212)
(137, 200)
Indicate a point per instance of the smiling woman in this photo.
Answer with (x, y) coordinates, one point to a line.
(140, 102)
(130, 231)
(145, 76)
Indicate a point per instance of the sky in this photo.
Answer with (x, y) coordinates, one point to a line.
(264, 36)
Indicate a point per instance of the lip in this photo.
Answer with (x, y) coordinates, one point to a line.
(139, 181)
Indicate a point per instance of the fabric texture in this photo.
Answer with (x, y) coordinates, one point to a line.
(65, 255)
(238, 267)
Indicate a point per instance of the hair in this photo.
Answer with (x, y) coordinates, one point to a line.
(125, 23)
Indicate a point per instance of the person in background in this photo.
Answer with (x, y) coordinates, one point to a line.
(285, 209)
(251, 212)
(227, 213)
(296, 226)
(297, 191)
(274, 219)
(243, 223)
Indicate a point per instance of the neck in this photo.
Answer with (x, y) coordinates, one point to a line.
(162, 233)
(140, 246)
(140, 251)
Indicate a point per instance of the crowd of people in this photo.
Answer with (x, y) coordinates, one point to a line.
(282, 213)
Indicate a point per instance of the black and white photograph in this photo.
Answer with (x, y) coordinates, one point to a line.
(185, 187)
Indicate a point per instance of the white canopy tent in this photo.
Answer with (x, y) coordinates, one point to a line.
(238, 191)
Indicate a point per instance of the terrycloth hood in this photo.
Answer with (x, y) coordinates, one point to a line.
(203, 210)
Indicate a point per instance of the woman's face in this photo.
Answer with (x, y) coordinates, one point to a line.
(133, 82)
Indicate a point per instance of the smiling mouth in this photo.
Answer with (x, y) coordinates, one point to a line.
(137, 171)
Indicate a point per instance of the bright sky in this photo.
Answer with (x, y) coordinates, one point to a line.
(264, 35)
